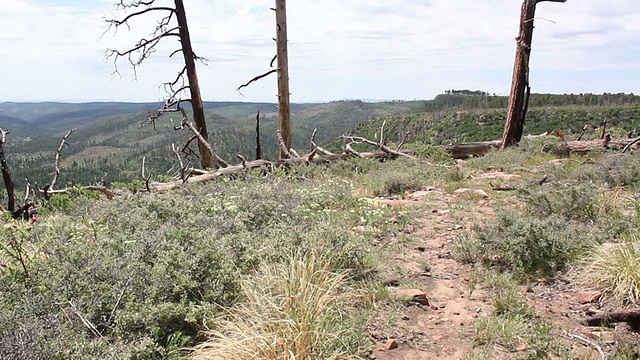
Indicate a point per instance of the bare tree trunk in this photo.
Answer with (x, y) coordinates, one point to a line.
(284, 112)
(206, 159)
(6, 175)
(258, 147)
(520, 89)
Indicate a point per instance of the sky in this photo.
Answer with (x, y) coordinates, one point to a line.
(54, 50)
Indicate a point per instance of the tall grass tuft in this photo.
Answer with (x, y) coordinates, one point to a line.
(292, 310)
(616, 272)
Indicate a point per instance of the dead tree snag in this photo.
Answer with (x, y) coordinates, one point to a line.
(6, 174)
(282, 69)
(520, 87)
(284, 108)
(145, 47)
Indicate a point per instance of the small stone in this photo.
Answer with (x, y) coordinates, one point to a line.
(421, 248)
(474, 192)
(437, 337)
(414, 295)
(418, 195)
(586, 297)
(391, 344)
(391, 282)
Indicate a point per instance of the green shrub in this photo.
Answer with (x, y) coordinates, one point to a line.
(138, 276)
(529, 246)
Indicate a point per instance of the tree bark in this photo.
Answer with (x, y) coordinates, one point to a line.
(284, 112)
(206, 158)
(258, 146)
(6, 175)
(520, 89)
(312, 158)
(630, 316)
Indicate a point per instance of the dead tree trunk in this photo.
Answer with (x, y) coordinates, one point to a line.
(284, 109)
(6, 175)
(206, 160)
(258, 146)
(520, 88)
(630, 316)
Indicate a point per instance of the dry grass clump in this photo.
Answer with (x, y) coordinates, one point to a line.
(615, 270)
(292, 310)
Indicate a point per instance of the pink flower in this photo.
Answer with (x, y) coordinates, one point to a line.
(3, 265)
(10, 241)
(34, 218)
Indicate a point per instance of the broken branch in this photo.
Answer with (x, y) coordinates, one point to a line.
(57, 164)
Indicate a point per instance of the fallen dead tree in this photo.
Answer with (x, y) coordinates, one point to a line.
(630, 316)
(464, 150)
(312, 158)
(32, 197)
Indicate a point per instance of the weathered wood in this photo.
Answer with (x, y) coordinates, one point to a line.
(520, 89)
(630, 316)
(284, 109)
(313, 158)
(464, 150)
(583, 147)
(6, 174)
(206, 159)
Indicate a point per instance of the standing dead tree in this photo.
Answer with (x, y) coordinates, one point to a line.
(282, 69)
(6, 174)
(520, 87)
(145, 47)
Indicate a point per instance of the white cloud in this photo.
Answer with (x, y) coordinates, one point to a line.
(338, 49)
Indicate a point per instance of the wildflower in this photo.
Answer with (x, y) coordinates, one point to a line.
(34, 218)
(3, 265)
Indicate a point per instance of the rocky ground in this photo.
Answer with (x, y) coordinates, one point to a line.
(442, 302)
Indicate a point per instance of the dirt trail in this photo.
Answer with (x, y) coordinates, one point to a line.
(445, 328)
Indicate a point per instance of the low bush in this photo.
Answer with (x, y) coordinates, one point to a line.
(528, 246)
(137, 276)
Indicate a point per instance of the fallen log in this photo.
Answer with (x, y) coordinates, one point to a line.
(630, 316)
(464, 150)
(312, 158)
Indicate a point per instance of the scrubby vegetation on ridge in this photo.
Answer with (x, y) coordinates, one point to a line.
(140, 276)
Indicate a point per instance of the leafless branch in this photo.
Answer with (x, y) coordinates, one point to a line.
(283, 147)
(243, 160)
(257, 78)
(85, 322)
(382, 133)
(313, 137)
(145, 178)
(630, 144)
(351, 151)
(176, 151)
(385, 148)
(588, 342)
(52, 184)
(184, 122)
(404, 139)
(327, 152)
(312, 155)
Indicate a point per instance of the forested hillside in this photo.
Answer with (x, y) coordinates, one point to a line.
(457, 118)
(110, 137)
